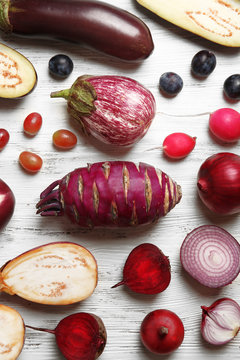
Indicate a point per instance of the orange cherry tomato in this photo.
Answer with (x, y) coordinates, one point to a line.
(32, 123)
(30, 162)
(64, 139)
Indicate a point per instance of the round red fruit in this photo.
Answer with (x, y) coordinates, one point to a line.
(225, 124)
(32, 124)
(64, 139)
(4, 138)
(31, 162)
(162, 331)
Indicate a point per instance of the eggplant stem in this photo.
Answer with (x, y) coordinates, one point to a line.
(40, 329)
(61, 93)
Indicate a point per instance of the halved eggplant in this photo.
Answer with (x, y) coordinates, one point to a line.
(215, 20)
(12, 333)
(58, 273)
(18, 76)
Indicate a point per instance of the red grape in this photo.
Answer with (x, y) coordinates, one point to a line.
(64, 139)
(4, 137)
(30, 162)
(32, 123)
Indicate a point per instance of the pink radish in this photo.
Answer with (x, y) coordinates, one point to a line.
(54, 274)
(12, 333)
(178, 145)
(111, 193)
(80, 336)
(225, 124)
(114, 109)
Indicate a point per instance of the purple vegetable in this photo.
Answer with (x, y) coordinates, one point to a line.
(115, 109)
(114, 193)
(211, 256)
(99, 25)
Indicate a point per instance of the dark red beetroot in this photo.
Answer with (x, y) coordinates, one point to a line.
(162, 331)
(79, 336)
(7, 203)
(101, 26)
(147, 270)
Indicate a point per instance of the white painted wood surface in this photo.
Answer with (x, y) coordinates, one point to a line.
(121, 310)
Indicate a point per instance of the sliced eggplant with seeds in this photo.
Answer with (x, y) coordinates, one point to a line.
(18, 76)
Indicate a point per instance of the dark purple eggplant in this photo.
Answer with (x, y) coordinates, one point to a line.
(99, 25)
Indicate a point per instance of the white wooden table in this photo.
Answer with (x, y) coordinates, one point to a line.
(121, 310)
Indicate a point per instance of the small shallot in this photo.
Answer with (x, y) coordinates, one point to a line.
(58, 273)
(211, 256)
(220, 321)
(116, 110)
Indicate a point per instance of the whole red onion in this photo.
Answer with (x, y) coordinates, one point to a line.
(114, 109)
(7, 203)
(219, 183)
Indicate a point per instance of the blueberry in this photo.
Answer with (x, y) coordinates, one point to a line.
(203, 63)
(170, 83)
(60, 66)
(231, 87)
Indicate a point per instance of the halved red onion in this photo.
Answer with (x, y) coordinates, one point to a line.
(220, 321)
(211, 256)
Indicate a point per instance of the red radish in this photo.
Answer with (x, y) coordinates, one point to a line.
(220, 321)
(30, 162)
(111, 193)
(178, 145)
(32, 123)
(64, 139)
(225, 124)
(80, 336)
(147, 270)
(114, 109)
(4, 138)
(211, 256)
(162, 331)
(218, 183)
(55, 274)
(12, 333)
(7, 203)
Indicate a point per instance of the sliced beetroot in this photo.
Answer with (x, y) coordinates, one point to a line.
(80, 336)
(12, 333)
(147, 270)
(55, 274)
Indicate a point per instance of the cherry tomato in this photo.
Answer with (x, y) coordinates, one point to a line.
(32, 123)
(4, 137)
(30, 162)
(64, 139)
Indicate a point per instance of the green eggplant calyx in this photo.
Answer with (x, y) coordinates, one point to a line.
(4, 19)
(80, 97)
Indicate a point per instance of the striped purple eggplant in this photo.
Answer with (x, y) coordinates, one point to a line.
(111, 193)
(114, 109)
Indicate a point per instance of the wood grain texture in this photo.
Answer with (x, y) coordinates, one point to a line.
(121, 310)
